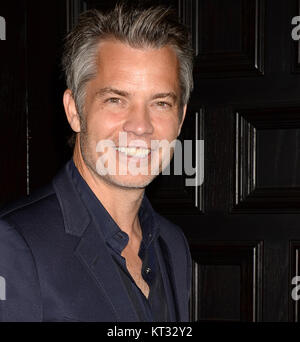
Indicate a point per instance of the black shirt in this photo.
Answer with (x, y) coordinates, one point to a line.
(155, 308)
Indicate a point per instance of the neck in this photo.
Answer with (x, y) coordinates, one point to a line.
(121, 203)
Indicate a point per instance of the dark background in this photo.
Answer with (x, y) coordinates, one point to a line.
(244, 227)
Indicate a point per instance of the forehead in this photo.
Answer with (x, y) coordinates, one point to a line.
(117, 62)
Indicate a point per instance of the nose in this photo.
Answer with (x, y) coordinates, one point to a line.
(138, 121)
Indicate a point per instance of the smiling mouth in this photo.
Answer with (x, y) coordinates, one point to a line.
(138, 152)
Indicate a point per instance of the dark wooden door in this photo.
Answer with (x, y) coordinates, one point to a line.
(34, 130)
(13, 113)
(245, 239)
(243, 222)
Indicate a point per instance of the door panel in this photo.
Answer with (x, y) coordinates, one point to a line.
(13, 110)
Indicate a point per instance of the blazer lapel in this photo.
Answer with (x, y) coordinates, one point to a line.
(165, 267)
(181, 307)
(92, 249)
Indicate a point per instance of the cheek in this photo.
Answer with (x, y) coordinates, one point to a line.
(103, 125)
(167, 128)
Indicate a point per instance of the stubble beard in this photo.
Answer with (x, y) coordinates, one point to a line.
(113, 180)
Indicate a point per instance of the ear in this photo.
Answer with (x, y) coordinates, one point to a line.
(71, 111)
(182, 119)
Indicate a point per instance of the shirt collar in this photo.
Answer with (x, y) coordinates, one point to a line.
(113, 235)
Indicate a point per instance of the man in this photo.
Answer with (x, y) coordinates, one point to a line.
(89, 246)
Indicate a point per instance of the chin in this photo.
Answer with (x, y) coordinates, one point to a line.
(134, 182)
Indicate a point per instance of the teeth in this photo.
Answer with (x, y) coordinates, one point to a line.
(134, 152)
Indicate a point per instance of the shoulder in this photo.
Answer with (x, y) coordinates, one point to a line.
(27, 228)
(20, 291)
(41, 204)
(175, 240)
(170, 231)
(36, 218)
(176, 243)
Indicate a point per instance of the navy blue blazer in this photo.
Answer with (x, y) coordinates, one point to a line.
(57, 266)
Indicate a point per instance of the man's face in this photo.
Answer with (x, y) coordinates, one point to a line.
(136, 93)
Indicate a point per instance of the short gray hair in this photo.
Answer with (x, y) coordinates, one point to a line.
(153, 27)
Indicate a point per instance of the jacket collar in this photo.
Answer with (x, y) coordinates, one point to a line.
(75, 215)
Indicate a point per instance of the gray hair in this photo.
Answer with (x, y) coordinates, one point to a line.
(153, 27)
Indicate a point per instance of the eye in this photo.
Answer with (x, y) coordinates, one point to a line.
(115, 100)
(164, 104)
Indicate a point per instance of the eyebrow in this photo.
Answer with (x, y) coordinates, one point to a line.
(165, 95)
(109, 90)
